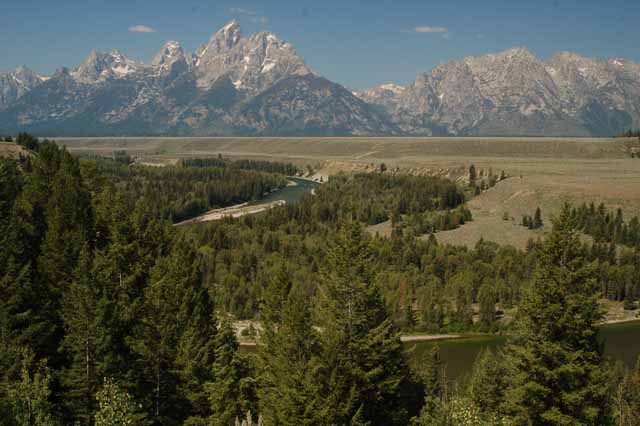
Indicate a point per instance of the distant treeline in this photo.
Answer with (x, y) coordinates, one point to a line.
(373, 198)
(432, 221)
(25, 140)
(629, 134)
(179, 193)
(287, 169)
(606, 226)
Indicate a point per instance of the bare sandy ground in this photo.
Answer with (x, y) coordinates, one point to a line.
(233, 211)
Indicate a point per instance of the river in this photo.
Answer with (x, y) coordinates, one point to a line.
(291, 194)
(621, 342)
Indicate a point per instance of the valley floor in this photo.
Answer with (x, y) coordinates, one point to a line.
(543, 172)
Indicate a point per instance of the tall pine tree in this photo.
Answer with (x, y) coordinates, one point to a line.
(231, 392)
(558, 372)
(364, 375)
(288, 355)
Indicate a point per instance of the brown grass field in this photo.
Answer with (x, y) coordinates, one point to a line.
(10, 150)
(543, 172)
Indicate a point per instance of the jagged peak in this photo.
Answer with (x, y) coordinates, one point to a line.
(231, 25)
(222, 40)
(267, 35)
(23, 69)
(621, 62)
(231, 32)
(170, 52)
(396, 88)
(94, 54)
(566, 57)
(422, 78)
(518, 52)
(173, 44)
(568, 54)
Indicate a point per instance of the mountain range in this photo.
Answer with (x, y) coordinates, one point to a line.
(258, 85)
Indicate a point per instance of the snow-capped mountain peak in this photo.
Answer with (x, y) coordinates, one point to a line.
(15, 84)
(258, 84)
(252, 63)
(170, 52)
(221, 41)
(99, 67)
(515, 93)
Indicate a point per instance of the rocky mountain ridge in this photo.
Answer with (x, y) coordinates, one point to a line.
(516, 93)
(258, 85)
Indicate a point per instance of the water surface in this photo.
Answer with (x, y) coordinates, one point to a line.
(291, 194)
(621, 342)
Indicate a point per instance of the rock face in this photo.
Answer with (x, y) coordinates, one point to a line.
(15, 84)
(252, 64)
(232, 85)
(259, 85)
(515, 93)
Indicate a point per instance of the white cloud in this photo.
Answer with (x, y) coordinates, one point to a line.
(430, 30)
(141, 29)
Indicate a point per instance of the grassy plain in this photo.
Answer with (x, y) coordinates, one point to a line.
(543, 172)
(10, 150)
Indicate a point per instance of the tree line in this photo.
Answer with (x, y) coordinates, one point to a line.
(605, 225)
(180, 193)
(286, 169)
(631, 133)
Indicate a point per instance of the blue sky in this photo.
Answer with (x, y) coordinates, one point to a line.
(355, 43)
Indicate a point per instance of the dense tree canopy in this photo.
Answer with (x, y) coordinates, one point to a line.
(110, 315)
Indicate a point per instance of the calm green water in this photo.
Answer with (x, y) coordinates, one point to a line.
(622, 342)
(291, 194)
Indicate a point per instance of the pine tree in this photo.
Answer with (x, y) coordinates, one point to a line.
(557, 360)
(409, 318)
(537, 219)
(488, 382)
(34, 321)
(82, 334)
(473, 175)
(461, 285)
(196, 342)
(288, 390)
(364, 372)
(431, 371)
(487, 301)
(173, 336)
(231, 393)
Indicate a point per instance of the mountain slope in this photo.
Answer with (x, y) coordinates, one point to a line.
(258, 85)
(15, 84)
(313, 106)
(231, 85)
(514, 93)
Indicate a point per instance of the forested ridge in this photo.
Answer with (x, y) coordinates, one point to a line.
(109, 315)
(179, 193)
